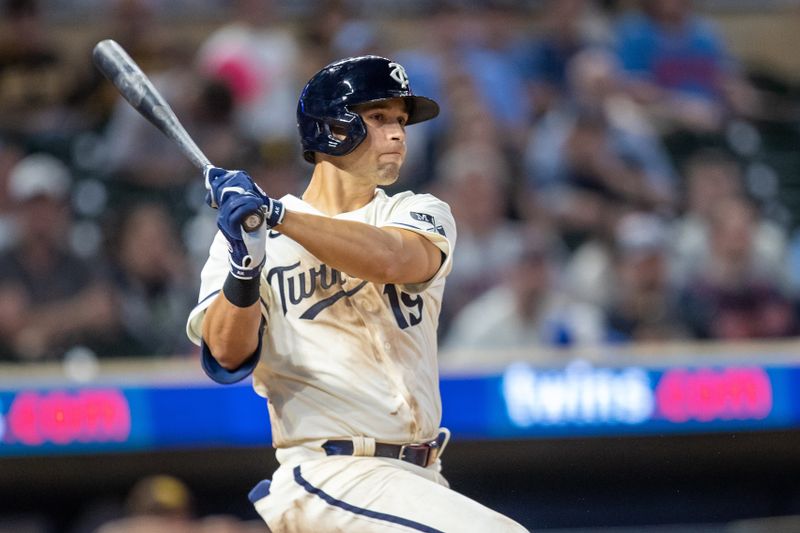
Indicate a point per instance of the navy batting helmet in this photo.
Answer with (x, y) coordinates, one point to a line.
(326, 101)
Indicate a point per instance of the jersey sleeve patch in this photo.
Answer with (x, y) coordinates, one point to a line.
(428, 219)
(423, 217)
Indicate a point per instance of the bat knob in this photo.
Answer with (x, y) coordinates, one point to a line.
(253, 221)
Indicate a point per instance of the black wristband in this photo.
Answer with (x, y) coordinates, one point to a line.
(241, 292)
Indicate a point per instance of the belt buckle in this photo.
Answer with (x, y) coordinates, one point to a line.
(431, 450)
(434, 447)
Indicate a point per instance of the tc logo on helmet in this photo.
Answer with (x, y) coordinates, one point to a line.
(399, 75)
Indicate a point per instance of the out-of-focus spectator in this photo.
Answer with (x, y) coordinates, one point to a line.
(160, 495)
(138, 28)
(643, 303)
(34, 77)
(482, 45)
(135, 25)
(10, 154)
(592, 181)
(335, 30)
(730, 298)
(593, 81)
(50, 299)
(710, 176)
(152, 276)
(594, 76)
(590, 232)
(474, 180)
(526, 310)
(678, 65)
(567, 27)
(258, 58)
(165, 504)
(600, 185)
(597, 138)
(593, 165)
(470, 121)
(460, 57)
(793, 265)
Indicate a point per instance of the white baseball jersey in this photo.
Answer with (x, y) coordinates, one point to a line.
(341, 356)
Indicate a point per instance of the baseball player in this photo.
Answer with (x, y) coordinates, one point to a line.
(332, 305)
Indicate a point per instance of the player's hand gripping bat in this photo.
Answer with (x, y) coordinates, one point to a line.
(116, 65)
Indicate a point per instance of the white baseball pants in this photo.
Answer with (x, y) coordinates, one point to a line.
(370, 495)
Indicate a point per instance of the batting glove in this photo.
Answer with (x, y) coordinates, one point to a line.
(236, 196)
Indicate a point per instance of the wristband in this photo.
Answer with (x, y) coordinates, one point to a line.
(274, 212)
(241, 292)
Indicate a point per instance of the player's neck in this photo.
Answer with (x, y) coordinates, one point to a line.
(333, 191)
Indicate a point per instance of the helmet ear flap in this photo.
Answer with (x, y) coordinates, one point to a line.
(342, 135)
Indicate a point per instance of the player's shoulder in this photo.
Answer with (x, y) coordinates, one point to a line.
(406, 198)
(421, 211)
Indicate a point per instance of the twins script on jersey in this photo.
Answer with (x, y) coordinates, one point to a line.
(333, 343)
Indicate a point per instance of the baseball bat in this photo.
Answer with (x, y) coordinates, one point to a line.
(116, 65)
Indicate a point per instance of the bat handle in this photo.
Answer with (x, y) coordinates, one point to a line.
(253, 220)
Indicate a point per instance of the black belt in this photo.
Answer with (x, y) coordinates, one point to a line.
(422, 454)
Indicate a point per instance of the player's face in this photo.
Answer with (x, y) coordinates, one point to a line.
(382, 153)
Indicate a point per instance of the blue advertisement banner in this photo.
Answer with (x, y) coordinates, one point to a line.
(523, 401)
(582, 400)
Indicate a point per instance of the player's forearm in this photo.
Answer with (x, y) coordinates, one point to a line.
(231, 332)
(357, 249)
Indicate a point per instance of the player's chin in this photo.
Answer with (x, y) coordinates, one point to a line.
(388, 173)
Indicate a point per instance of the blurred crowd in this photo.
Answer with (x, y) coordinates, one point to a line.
(155, 503)
(616, 173)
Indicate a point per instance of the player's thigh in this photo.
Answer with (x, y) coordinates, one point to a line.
(370, 495)
(440, 508)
